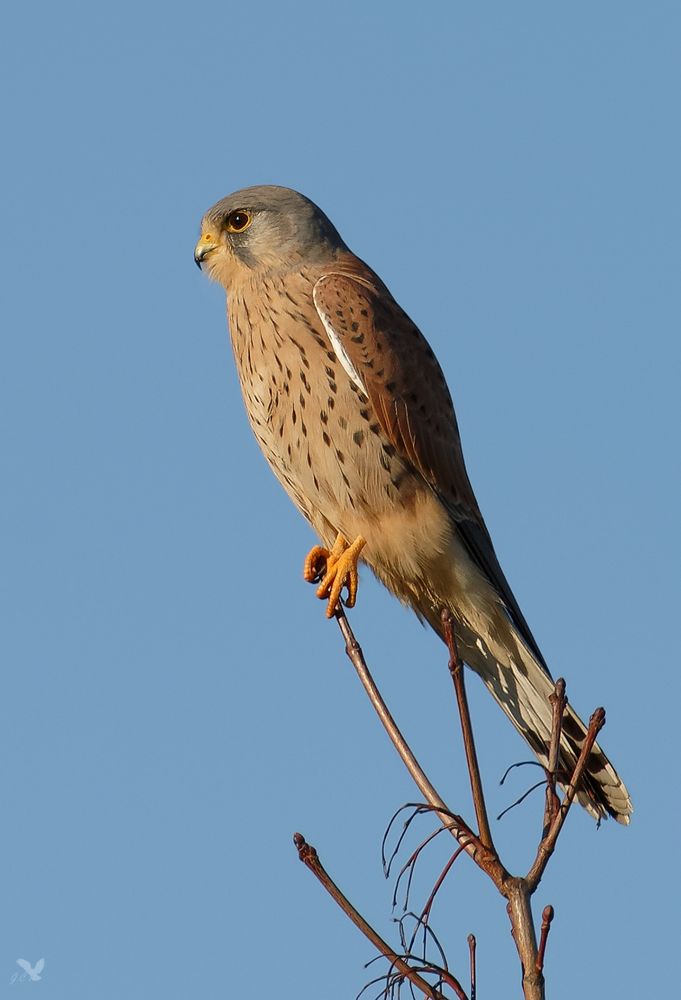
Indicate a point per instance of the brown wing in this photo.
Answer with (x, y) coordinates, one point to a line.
(389, 359)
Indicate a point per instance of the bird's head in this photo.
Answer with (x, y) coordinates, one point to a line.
(263, 229)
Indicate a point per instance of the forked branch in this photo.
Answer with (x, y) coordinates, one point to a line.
(548, 842)
(480, 847)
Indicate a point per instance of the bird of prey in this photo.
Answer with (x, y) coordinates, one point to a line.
(350, 407)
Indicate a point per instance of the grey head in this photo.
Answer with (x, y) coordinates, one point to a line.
(266, 228)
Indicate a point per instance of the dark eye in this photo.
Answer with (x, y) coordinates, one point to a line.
(238, 221)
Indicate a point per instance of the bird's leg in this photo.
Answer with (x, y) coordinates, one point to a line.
(335, 569)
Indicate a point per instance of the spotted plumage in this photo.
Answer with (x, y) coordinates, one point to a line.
(352, 411)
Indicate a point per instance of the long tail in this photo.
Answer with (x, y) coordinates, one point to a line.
(491, 645)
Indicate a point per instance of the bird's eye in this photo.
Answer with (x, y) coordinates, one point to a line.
(238, 221)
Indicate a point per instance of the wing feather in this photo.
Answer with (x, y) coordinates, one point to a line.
(399, 373)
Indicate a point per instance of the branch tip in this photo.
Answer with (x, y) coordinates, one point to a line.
(471, 952)
(558, 701)
(597, 720)
(547, 916)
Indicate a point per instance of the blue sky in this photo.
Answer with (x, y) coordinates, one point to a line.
(174, 703)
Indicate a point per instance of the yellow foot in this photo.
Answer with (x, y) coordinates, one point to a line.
(335, 569)
(319, 559)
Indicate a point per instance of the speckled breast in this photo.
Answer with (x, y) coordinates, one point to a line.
(317, 430)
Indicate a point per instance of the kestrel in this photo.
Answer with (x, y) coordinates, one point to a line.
(351, 409)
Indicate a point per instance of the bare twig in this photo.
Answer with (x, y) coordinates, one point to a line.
(482, 855)
(471, 950)
(548, 843)
(356, 656)
(546, 918)
(410, 866)
(558, 704)
(425, 915)
(428, 935)
(519, 763)
(517, 891)
(456, 670)
(418, 809)
(308, 855)
(533, 788)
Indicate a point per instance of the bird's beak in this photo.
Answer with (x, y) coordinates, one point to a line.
(205, 246)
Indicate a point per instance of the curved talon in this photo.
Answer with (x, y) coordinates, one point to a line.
(340, 570)
(319, 560)
(315, 564)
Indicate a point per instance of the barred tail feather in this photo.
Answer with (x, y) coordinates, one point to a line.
(525, 700)
(491, 646)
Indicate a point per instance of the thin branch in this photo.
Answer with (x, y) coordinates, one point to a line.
(548, 843)
(425, 915)
(481, 854)
(308, 855)
(428, 935)
(418, 809)
(558, 705)
(516, 891)
(546, 918)
(386, 861)
(456, 671)
(522, 798)
(471, 950)
(410, 865)
(356, 656)
(519, 763)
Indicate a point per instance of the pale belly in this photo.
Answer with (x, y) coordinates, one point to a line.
(324, 444)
